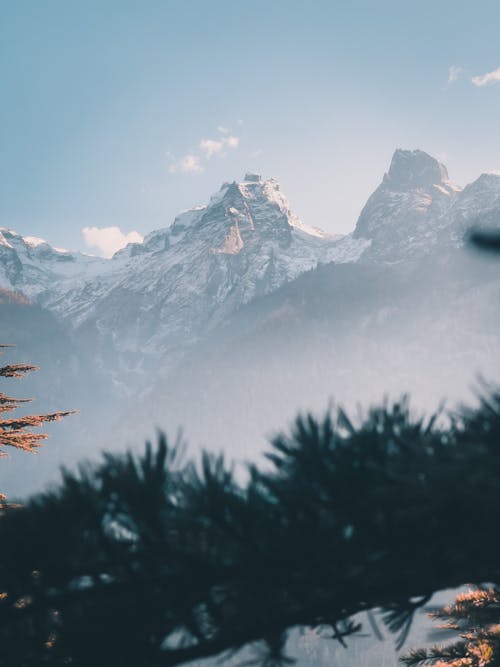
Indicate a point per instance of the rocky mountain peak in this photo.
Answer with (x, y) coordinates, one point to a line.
(403, 215)
(412, 169)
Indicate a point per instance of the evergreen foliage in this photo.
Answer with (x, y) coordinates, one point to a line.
(157, 561)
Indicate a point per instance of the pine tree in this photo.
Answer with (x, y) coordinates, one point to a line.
(16, 432)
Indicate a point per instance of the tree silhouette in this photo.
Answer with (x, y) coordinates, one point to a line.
(152, 561)
(16, 432)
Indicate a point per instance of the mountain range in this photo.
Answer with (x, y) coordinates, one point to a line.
(244, 243)
(237, 315)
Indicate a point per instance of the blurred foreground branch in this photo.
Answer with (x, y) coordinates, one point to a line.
(152, 561)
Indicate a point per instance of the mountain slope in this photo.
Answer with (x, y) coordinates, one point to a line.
(159, 296)
(352, 333)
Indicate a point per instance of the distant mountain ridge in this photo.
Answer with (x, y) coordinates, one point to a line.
(151, 300)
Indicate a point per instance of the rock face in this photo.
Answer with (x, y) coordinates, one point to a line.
(403, 216)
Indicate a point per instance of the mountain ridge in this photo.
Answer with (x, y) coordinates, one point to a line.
(152, 300)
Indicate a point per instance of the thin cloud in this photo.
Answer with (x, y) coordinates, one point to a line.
(211, 147)
(487, 79)
(108, 240)
(189, 164)
(454, 73)
(193, 162)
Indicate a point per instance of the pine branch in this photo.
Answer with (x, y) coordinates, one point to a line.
(16, 370)
(28, 421)
(8, 403)
(25, 441)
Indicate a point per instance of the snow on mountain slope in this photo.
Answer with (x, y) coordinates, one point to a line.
(154, 298)
(31, 265)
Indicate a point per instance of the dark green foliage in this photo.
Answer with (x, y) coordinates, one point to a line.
(154, 561)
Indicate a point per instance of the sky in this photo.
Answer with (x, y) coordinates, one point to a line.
(115, 115)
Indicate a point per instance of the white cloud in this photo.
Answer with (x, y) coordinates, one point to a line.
(232, 142)
(222, 129)
(454, 73)
(189, 164)
(488, 78)
(211, 147)
(108, 240)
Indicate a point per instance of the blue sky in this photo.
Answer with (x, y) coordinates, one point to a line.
(104, 105)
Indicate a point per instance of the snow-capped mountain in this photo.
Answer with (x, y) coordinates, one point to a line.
(153, 299)
(156, 297)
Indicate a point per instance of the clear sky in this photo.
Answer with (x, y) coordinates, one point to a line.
(121, 113)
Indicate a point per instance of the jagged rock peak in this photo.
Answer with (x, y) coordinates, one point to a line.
(414, 169)
(407, 208)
